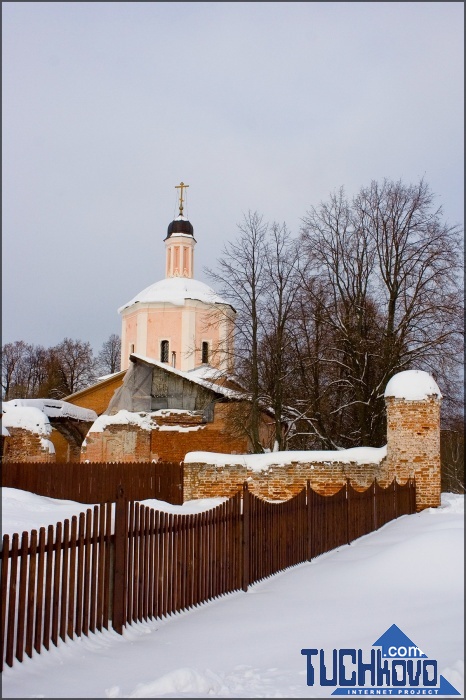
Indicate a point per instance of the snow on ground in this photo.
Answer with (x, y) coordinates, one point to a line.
(22, 510)
(408, 573)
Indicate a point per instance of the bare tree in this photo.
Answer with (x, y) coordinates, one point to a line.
(13, 369)
(109, 358)
(32, 371)
(74, 364)
(452, 456)
(389, 268)
(282, 271)
(242, 281)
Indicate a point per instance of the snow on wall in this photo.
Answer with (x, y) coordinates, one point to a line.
(28, 418)
(53, 408)
(123, 417)
(412, 385)
(47, 445)
(358, 455)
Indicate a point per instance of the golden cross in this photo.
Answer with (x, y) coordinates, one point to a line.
(180, 187)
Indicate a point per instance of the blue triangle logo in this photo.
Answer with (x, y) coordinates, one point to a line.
(446, 688)
(396, 645)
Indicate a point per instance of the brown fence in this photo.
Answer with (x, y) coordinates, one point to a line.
(128, 562)
(97, 482)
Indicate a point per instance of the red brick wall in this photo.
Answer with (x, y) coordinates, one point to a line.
(188, 434)
(172, 445)
(24, 446)
(413, 445)
(117, 443)
(413, 450)
(279, 482)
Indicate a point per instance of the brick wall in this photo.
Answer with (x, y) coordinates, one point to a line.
(413, 446)
(195, 436)
(117, 443)
(413, 450)
(178, 434)
(279, 482)
(24, 446)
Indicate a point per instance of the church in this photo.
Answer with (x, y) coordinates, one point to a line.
(175, 392)
(179, 320)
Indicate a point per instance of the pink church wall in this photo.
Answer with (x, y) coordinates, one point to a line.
(206, 332)
(164, 324)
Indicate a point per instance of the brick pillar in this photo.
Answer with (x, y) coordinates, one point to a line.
(413, 434)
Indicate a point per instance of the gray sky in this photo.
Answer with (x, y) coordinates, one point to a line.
(257, 106)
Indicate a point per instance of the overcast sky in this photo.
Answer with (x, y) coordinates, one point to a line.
(261, 106)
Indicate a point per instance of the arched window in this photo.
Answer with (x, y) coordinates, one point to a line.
(173, 359)
(164, 351)
(205, 353)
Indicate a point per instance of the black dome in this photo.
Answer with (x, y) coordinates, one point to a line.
(180, 226)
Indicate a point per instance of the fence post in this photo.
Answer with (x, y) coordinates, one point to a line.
(309, 520)
(245, 541)
(348, 511)
(121, 536)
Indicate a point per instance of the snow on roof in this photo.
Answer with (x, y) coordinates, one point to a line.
(191, 376)
(412, 385)
(53, 408)
(104, 377)
(123, 417)
(175, 290)
(212, 374)
(27, 417)
(206, 372)
(358, 455)
(146, 421)
(5, 432)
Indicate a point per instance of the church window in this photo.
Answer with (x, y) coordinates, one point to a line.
(164, 351)
(205, 353)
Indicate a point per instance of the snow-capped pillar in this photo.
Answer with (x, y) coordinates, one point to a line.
(412, 400)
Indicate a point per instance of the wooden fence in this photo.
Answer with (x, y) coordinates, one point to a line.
(126, 562)
(95, 482)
